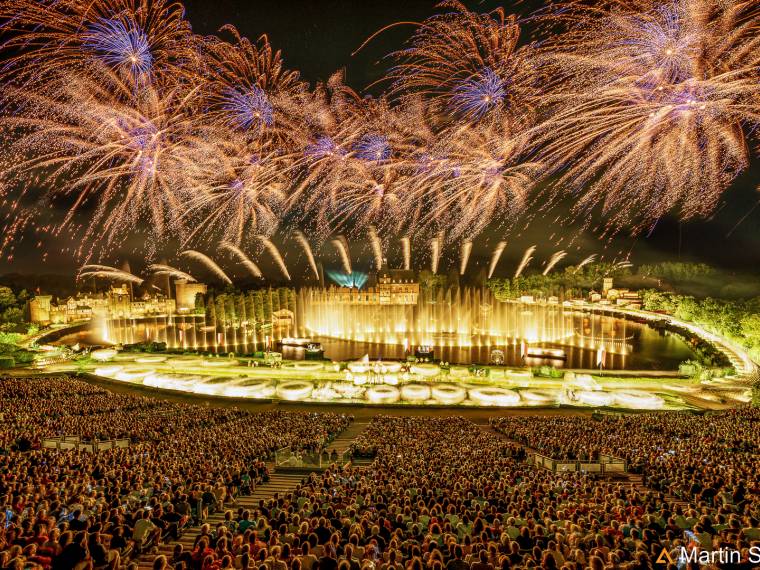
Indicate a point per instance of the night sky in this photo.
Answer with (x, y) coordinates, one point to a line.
(318, 37)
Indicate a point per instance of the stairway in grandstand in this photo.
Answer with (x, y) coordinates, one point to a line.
(345, 439)
(278, 484)
(636, 480)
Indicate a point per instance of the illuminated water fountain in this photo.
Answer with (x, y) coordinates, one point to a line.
(242, 323)
(454, 317)
(462, 325)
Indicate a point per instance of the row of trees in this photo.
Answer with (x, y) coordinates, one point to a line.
(13, 326)
(572, 282)
(231, 308)
(676, 271)
(13, 313)
(737, 320)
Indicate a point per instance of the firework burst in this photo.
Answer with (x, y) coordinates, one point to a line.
(469, 64)
(650, 104)
(479, 179)
(141, 40)
(94, 144)
(236, 190)
(246, 87)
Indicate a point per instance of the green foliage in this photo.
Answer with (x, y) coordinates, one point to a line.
(547, 372)
(200, 304)
(13, 310)
(7, 298)
(756, 389)
(432, 282)
(14, 354)
(573, 281)
(148, 346)
(736, 320)
(676, 271)
(10, 338)
(232, 308)
(654, 300)
(8, 348)
(690, 368)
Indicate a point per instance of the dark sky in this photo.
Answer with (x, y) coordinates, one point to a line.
(317, 37)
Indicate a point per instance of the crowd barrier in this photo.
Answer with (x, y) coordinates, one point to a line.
(604, 465)
(74, 442)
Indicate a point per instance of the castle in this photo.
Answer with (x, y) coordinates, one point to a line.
(116, 303)
(390, 287)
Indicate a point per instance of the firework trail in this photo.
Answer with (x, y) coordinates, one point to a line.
(465, 255)
(554, 260)
(495, 257)
(301, 238)
(618, 265)
(406, 248)
(208, 262)
(276, 255)
(584, 262)
(107, 272)
(526, 259)
(162, 269)
(341, 245)
(435, 253)
(377, 247)
(244, 259)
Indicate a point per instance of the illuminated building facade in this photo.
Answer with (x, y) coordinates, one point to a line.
(116, 303)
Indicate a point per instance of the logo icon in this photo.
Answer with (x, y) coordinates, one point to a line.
(664, 557)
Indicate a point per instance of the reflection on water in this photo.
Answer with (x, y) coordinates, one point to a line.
(648, 350)
(627, 345)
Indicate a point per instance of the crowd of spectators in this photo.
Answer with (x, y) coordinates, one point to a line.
(443, 493)
(706, 465)
(713, 460)
(440, 493)
(78, 509)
